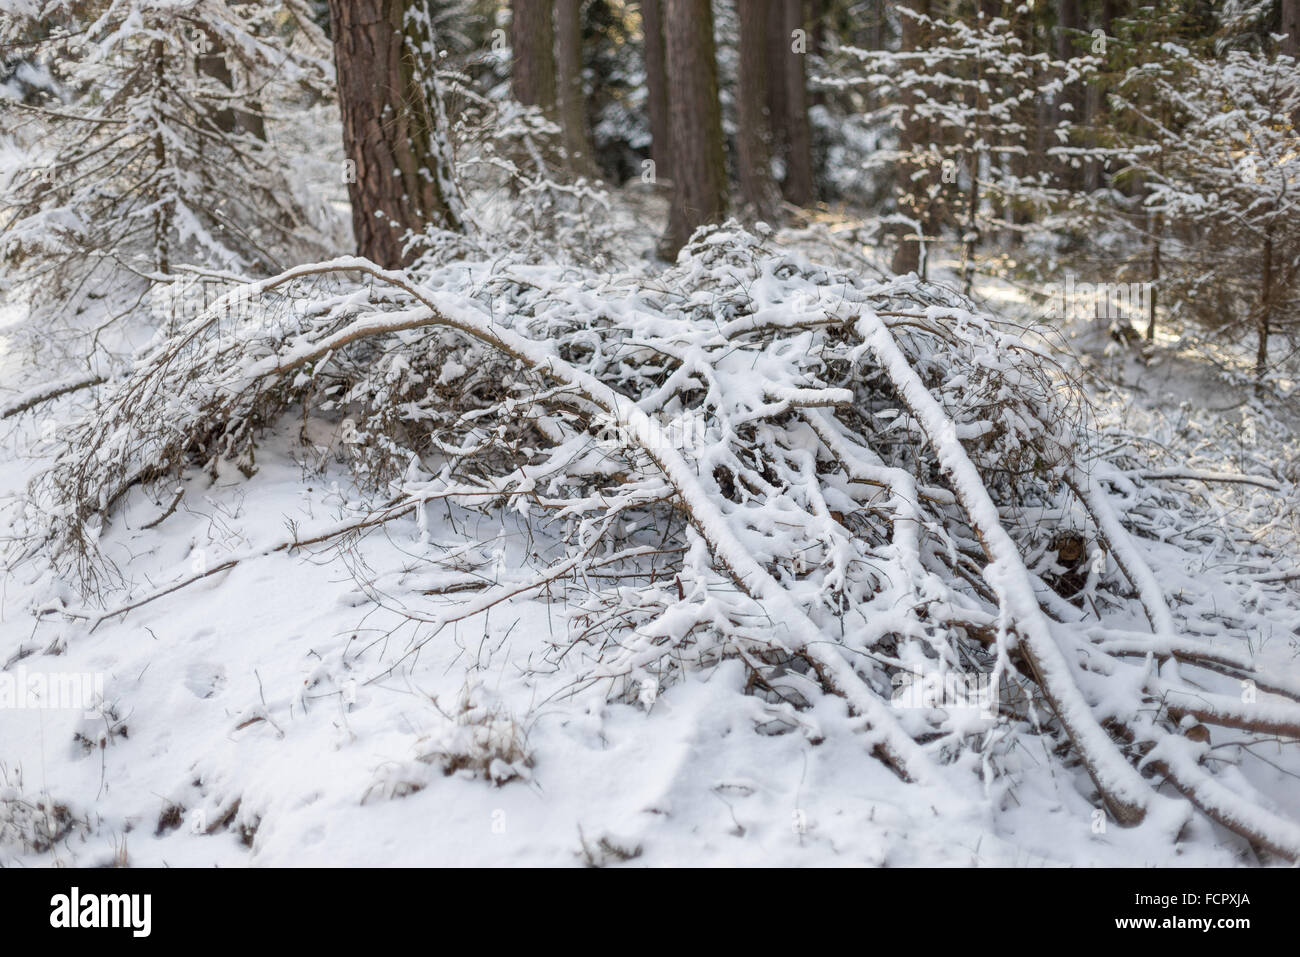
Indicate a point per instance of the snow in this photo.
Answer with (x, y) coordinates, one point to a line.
(1009, 577)
(294, 684)
(688, 782)
(778, 512)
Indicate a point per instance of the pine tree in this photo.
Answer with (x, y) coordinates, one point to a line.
(754, 131)
(141, 160)
(652, 28)
(695, 123)
(787, 97)
(963, 96)
(394, 130)
(532, 42)
(572, 101)
(1220, 157)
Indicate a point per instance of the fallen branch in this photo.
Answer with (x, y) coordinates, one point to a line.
(1208, 477)
(1127, 795)
(46, 393)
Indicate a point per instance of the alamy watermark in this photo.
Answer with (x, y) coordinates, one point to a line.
(185, 299)
(950, 691)
(74, 909)
(632, 428)
(1096, 300)
(52, 690)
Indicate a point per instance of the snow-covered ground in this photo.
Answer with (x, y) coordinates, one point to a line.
(280, 712)
(258, 705)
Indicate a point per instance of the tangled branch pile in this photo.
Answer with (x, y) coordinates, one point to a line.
(840, 482)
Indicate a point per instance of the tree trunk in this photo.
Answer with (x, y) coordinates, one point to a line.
(753, 135)
(1070, 105)
(1098, 107)
(797, 186)
(394, 131)
(1110, 9)
(971, 233)
(578, 151)
(1291, 27)
(818, 12)
(914, 132)
(1157, 226)
(1092, 111)
(1265, 310)
(1068, 21)
(778, 47)
(532, 39)
(1037, 120)
(212, 62)
(163, 211)
(1157, 229)
(695, 123)
(656, 84)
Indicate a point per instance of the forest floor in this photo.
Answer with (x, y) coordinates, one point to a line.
(266, 715)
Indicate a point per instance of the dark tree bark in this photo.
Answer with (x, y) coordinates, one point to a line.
(532, 38)
(1070, 107)
(656, 84)
(1157, 228)
(252, 122)
(778, 48)
(1094, 108)
(1109, 11)
(393, 128)
(1291, 27)
(1097, 105)
(164, 211)
(1265, 320)
(915, 131)
(753, 136)
(1069, 21)
(818, 13)
(787, 99)
(212, 62)
(695, 123)
(797, 186)
(579, 155)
